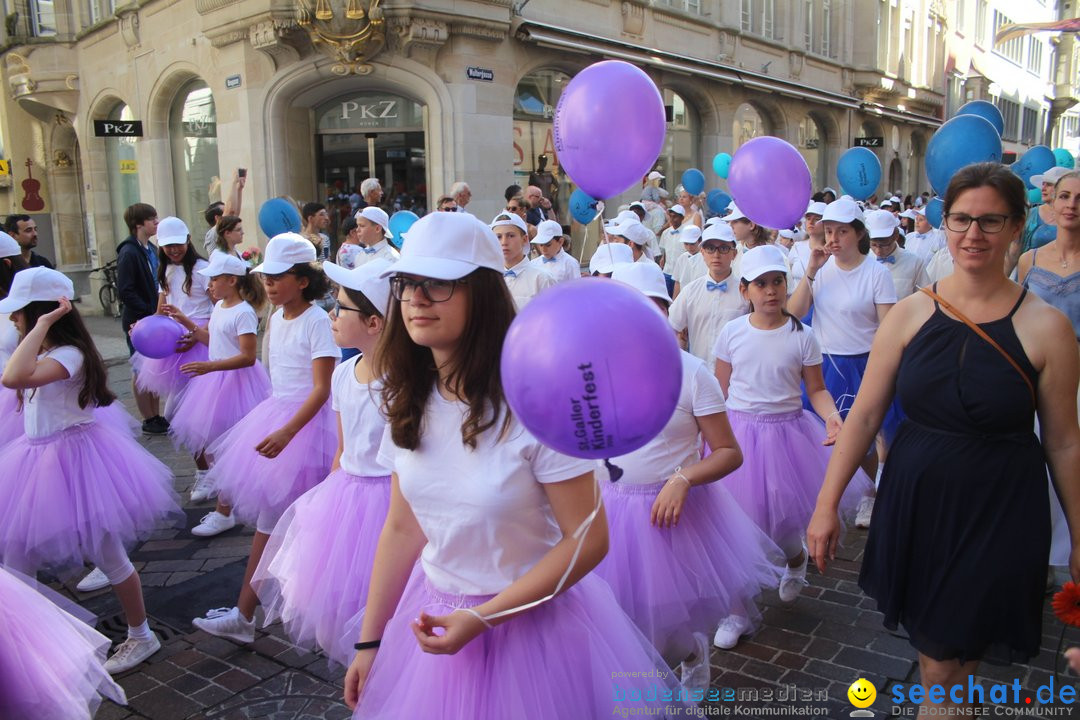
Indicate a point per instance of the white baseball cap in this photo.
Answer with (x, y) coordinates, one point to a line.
(689, 235)
(896, 200)
(448, 246)
(1050, 176)
(734, 213)
(508, 218)
(285, 250)
(655, 176)
(909, 214)
(638, 203)
(714, 219)
(829, 189)
(881, 223)
(762, 259)
(789, 234)
(367, 279)
(607, 256)
(39, 284)
(377, 216)
(9, 247)
(646, 277)
(887, 202)
(815, 208)
(921, 211)
(223, 263)
(635, 232)
(844, 211)
(720, 232)
(172, 231)
(678, 210)
(546, 231)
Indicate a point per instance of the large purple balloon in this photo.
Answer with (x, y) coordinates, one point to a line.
(156, 336)
(609, 127)
(606, 377)
(770, 182)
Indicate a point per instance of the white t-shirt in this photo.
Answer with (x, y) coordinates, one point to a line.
(766, 365)
(9, 340)
(845, 312)
(908, 272)
(688, 268)
(484, 513)
(226, 327)
(362, 424)
(197, 305)
(293, 345)
(672, 247)
(210, 241)
(381, 250)
(925, 244)
(562, 267)
(798, 260)
(703, 312)
(941, 265)
(678, 444)
(53, 407)
(526, 282)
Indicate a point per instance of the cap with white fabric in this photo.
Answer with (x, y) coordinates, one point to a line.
(734, 213)
(830, 190)
(509, 218)
(881, 224)
(172, 231)
(844, 211)
(1050, 176)
(789, 234)
(377, 216)
(634, 231)
(815, 208)
(921, 211)
(655, 176)
(715, 219)
(626, 216)
(546, 231)
(448, 246)
(909, 214)
(367, 279)
(678, 210)
(607, 256)
(887, 202)
(285, 250)
(638, 204)
(762, 259)
(39, 284)
(9, 246)
(223, 263)
(896, 200)
(720, 232)
(646, 277)
(690, 234)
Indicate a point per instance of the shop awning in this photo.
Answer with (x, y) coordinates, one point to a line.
(902, 115)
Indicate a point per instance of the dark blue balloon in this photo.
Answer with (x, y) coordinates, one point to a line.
(934, 208)
(987, 111)
(693, 181)
(582, 206)
(718, 200)
(964, 140)
(859, 172)
(1035, 161)
(278, 215)
(400, 222)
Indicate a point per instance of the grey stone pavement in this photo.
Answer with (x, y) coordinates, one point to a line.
(818, 645)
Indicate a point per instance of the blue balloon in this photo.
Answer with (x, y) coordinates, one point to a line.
(693, 181)
(1064, 158)
(859, 172)
(1035, 161)
(278, 215)
(1034, 196)
(718, 200)
(934, 208)
(722, 164)
(987, 111)
(582, 206)
(400, 222)
(964, 140)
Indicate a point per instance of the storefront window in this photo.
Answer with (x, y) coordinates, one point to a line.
(123, 171)
(748, 124)
(812, 146)
(193, 136)
(535, 161)
(681, 141)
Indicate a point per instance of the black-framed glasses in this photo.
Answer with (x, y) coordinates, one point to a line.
(338, 307)
(436, 291)
(960, 222)
(717, 249)
(448, 208)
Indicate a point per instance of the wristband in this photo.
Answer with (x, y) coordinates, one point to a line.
(678, 474)
(477, 615)
(369, 645)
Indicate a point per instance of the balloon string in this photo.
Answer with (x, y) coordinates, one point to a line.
(579, 535)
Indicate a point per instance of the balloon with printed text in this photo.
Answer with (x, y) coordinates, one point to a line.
(693, 181)
(400, 222)
(1035, 161)
(859, 172)
(278, 215)
(964, 140)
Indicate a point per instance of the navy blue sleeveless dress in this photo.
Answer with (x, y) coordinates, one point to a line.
(960, 537)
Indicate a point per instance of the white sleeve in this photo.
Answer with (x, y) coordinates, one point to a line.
(550, 466)
(811, 349)
(388, 450)
(922, 279)
(722, 349)
(884, 288)
(247, 322)
(677, 312)
(69, 356)
(706, 397)
(321, 337)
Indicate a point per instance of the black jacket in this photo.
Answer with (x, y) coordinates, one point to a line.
(135, 282)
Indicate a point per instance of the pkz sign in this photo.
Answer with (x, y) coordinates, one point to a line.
(379, 110)
(369, 111)
(118, 128)
(875, 141)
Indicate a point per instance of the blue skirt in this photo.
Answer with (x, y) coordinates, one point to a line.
(843, 376)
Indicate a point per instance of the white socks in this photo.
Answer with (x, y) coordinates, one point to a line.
(139, 632)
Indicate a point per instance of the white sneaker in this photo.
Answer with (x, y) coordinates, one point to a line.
(794, 579)
(205, 488)
(731, 629)
(697, 676)
(132, 652)
(865, 511)
(227, 623)
(213, 523)
(94, 581)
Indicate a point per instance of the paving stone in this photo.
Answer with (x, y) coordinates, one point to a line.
(163, 671)
(236, 680)
(873, 662)
(164, 703)
(172, 565)
(136, 683)
(187, 683)
(257, 665)
(781, 639)
(215, 563)
(150, 580)
(209, 668)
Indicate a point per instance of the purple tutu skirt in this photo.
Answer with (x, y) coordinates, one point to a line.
(572, 657)
(51, 662)
(61, 495)
(211, 404)
(674, 582)
(315, 570)
(163, 377)
(783, 468)
(11, 417)
(256, 485)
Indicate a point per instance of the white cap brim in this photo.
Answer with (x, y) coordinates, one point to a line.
(272, 267)
(431, 267)
(13, 303)
(758, 272)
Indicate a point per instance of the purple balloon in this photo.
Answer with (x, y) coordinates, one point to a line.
(606, 379)
(156, 336)
(609, 127)
(770, 182)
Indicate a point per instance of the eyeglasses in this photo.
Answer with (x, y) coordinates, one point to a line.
(448, 208)
(514, 208)
(715, 249)
(338, 307)
(990, 224)
(436, 291)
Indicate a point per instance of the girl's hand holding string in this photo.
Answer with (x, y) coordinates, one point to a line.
(832, 428)
(667, 508)
(197, 368)
(274, 443)
(459, 628)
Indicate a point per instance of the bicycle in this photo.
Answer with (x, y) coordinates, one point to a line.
(107, 295)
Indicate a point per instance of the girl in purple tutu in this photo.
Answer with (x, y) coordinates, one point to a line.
(74, 488)
(760, 360)
(180, 286)
(286, 444)
(683, 553)
(226, 387)
(314, 573)
(500, 617)
(11, 262)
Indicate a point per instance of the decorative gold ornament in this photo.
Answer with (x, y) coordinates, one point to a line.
(346, 30)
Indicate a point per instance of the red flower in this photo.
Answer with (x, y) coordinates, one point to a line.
(1066, 604)
(246, 254)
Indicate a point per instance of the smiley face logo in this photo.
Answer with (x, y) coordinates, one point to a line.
(862, 693)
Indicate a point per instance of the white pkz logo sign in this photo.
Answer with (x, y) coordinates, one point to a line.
(381, 110)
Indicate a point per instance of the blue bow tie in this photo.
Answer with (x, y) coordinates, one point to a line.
(369, 251)
(721, 286)
(889, 259)
(510, 273)
(547, 260)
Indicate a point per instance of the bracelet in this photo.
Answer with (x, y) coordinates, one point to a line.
(678, 474)
(369, 645)
(837, 412)
(477, 615)
(809, 277)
